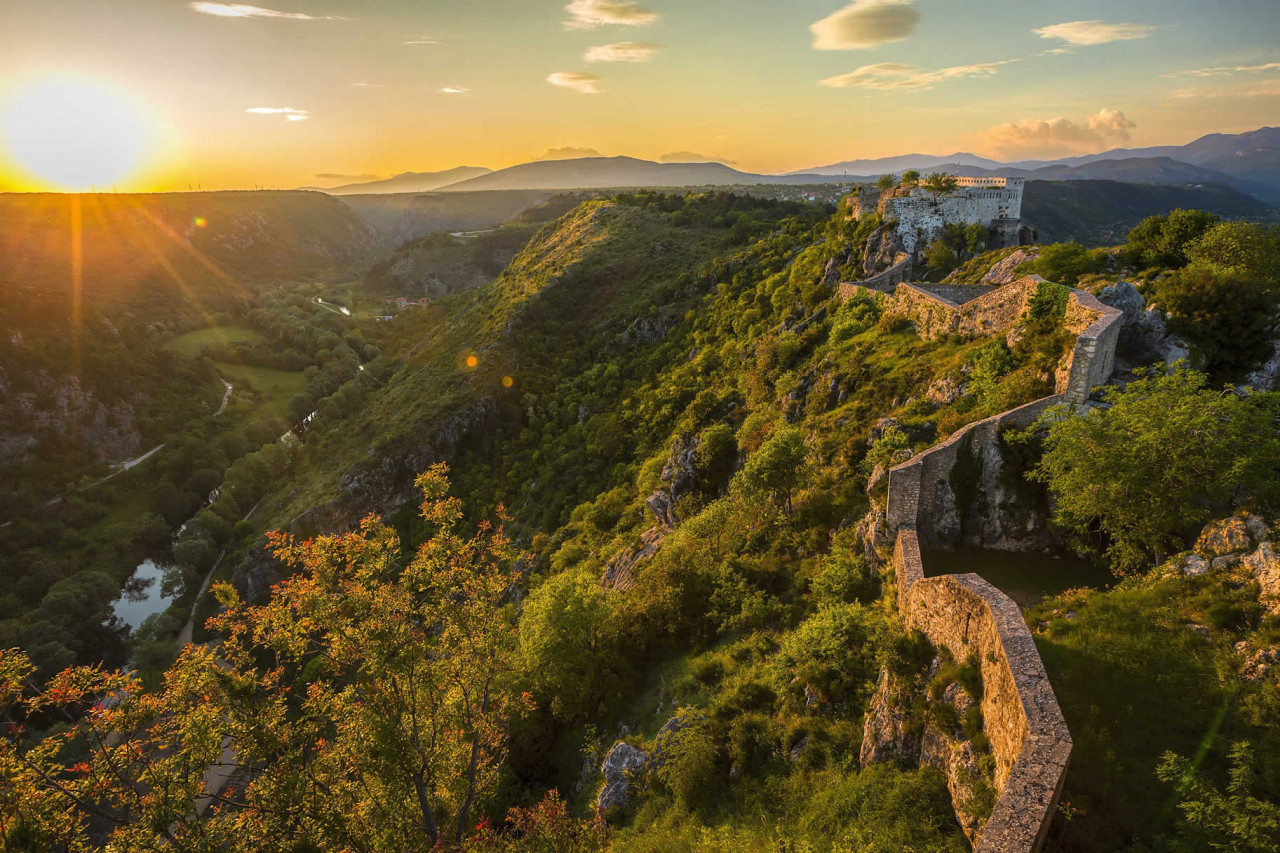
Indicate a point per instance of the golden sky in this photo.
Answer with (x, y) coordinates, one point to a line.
(168, 94)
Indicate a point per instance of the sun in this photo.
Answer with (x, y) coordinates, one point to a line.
(75, 133)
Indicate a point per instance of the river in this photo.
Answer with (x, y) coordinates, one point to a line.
(141, 596)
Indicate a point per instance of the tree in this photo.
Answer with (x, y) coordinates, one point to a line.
(1161, 241)
(940, 258)
(1240, 818)
(1138, 479)
(886, 182)
(1065, 263)
(1228, 313)
(566, 643)
(776, 468)
(910, 177)
(1252, 249)
(367, 702)
(940, 183)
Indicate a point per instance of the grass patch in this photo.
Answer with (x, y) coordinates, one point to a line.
(272, 388)
(193, 343)
(1134, 681)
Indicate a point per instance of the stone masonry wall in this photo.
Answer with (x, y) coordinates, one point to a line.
(919, 491)
(1021, 716)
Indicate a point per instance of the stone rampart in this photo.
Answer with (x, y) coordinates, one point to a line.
(1021, 717)
(920, 495)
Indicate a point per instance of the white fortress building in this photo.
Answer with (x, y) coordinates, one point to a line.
(993, 202)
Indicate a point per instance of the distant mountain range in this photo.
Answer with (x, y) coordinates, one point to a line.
(409, 182)
(1249, 162)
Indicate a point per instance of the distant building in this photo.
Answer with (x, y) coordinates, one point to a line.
(990, 201)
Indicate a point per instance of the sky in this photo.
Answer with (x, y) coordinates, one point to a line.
(323, 92)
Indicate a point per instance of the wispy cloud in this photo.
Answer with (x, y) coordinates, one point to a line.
(1225, 70)
(421, 40)
(1058, 136)
(455, 90)
(592, 14)
(692, 157)
(241, 10)
(567, 153)
(1093, 32)
(623, 51)
(892, 76)
(369, 85)
(865, 23)
(579, 81)
(334, 176)
(289, 113)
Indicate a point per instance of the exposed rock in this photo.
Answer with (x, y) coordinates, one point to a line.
(945, 391)
(812, 696)
(797, 751)
(1144, 337)
(1193, 565)
(1264, 378)
(1260, 664)
(617, 575)
(1264, 563)
(1126, 297)
(957, 760)
(1201, 630)
(621, 767)
(678, 480)
(1220, 538)
(1003, 271)
(886, 734)
(882, 250)
(879, 478)
(958, 698)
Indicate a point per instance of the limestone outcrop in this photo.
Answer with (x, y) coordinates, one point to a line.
(621, 768)
(1144, 336)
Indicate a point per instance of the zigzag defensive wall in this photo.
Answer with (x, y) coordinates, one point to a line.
(1021, 717)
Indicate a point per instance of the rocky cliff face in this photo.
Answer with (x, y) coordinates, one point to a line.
(60, 408)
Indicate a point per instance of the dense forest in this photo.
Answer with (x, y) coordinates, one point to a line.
(610, 492)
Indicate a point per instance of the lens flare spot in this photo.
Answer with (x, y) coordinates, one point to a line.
(472, 361)
(201, 222)
(507, 382)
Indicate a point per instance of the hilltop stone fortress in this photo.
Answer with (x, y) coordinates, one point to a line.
(963, 612)
(914, 218)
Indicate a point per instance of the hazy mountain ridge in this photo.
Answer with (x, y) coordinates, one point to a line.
(408, 182)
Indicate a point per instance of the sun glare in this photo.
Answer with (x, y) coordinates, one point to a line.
(74, 133)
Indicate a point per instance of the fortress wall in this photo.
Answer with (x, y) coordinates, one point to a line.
(1021, 716)
(921, 219)
(920, 496)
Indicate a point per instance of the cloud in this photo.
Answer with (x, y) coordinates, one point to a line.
(289, 113)
(891, 76)
(241, 10)
(592, 14)
(455, 90)
(579, 81)
(1224, 70)
(421, 40)
(623, 51)
(865, 23)
(1093, 32)
(567, 154)
(369, 85)
(691, 157)
(334, 176)
(1058, 136)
